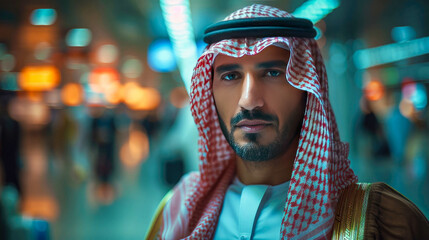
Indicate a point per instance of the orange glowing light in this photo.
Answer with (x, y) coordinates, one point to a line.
(101, 79)
(105, 193)
(72, 94)
(406, 108)
(44, 207)
(374, 90)
(39, 78)
(114, 93)
(132, 93)
(135, 150)
(34, 96)
(179, 97)
(139, 98)
(152, 99)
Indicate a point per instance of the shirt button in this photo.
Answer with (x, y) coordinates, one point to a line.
(243, 237)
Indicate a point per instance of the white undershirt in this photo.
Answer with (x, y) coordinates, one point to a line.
(252, 211)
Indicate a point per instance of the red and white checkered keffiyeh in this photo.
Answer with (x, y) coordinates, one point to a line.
(321, 168)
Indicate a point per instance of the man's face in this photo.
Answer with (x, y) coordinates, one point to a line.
(260, 113)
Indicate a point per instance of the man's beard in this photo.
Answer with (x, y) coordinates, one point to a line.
(254, 151)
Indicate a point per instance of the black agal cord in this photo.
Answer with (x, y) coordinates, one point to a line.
(259, 27)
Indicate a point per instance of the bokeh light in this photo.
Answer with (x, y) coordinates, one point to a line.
(72, 94)
(78, 37)
(29, 112)
(39, 78)
(43, 16)
(419, 98)
(315, 10)
(366, 58)
(42, 207)
(415, 93)
(102, 79)
(177, 17)
(139, 98)
(135, 150)
(7, 62)
(160, 56)
(114, 93)
(107, 53)
(179, 97)
(403, 33)
(374, 90)
(94, 99)
(105, 193)
(201, 45)
(132, 68)
(406, 108)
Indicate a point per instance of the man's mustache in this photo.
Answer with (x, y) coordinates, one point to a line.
(252, 115)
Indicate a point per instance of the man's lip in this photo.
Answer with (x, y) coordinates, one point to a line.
(254, 122)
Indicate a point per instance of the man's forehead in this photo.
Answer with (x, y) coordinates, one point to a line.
(271, 56)
(259, 65)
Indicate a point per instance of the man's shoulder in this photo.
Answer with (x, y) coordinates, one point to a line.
(378, 211)
(385, 198)
(391, 214)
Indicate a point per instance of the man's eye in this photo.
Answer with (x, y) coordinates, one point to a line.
(273, 73)
(230, 76)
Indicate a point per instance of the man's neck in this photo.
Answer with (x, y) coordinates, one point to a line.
(271, 172)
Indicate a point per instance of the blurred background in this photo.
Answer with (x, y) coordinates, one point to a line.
(95, 122)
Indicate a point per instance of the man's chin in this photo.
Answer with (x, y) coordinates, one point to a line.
(254, 152)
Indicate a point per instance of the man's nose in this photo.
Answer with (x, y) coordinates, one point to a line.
(251, 93)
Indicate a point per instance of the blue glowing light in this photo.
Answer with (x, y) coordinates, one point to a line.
(43, 16)
(78, 37)
(201, 45)
(367, 58)
(419, 98)
(161, 57)
(416, 93)
(315, 10)
(402, 34)
(92, 97)
(177, 17)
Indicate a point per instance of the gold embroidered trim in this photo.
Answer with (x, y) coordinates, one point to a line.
(351, 212)
(157, 218)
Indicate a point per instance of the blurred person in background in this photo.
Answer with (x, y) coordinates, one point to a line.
(272, 164)
(103, 138)
(10, 132)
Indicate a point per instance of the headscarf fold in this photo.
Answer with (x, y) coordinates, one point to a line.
(321, 169)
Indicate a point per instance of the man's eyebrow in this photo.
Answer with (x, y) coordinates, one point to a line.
(227, 67)
(271, 64)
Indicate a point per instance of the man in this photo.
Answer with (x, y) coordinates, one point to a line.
(271, 162)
